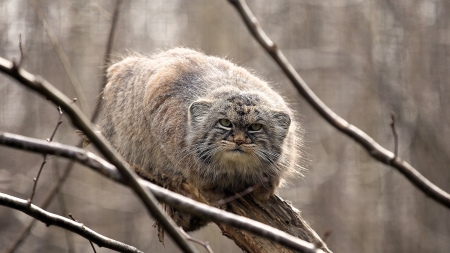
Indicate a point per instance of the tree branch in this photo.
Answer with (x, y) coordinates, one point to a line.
(53, 192)
(80, 121)
(59, 221)
(36, 179)
(373, 148)
(107, 56)
(229, 222)
(62, 56)
(44, 204)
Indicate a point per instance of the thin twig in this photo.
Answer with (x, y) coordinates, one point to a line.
(394, 132)
(22, 56)
(100, 10)
(178, 201)
(57, 124)
(92, 245)
(62, 56)
(240, 194)
(44, 204)
(192, 239)
(373, 148)
(36, 179)
(52, 219)
(55, 189)
(63, 208)
(325, 237)
(107, 57)
(80, 121)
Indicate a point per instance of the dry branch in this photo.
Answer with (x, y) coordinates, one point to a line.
(54, 190)
(61, 55)
(278, 214)
(90, 242)
(56, 220)
(80, 121)
(200, 242)
(373, 148)
(36, 179)
(107, 56)
(44, 204)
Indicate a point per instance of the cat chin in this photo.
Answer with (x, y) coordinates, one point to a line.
(237, 160)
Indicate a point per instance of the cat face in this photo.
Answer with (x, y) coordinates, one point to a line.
(238, 134)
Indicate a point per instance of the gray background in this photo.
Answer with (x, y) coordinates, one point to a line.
(362, 58)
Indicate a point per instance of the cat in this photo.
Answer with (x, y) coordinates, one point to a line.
(200, 118)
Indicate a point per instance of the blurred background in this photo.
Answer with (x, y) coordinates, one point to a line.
(363, 58)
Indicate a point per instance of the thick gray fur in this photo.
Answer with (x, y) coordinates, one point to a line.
(162, 114)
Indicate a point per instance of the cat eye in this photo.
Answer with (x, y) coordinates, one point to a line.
(255, 127)
(225, 122)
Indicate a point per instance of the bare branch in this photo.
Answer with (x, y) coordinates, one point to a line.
(373, 148)
(324, 239)
(62, 56)
(90, 242)
(80, 121)
(394, 132)
(63, 209)
(176, 200)
(192, 239)
(44, 204)
(240, 194)
(100, 10)
(59, 221)
(36, 179)
(54, 190)
(107, 57)
(22, 56)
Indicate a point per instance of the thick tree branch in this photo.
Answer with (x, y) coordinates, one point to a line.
(56, 220)
(53, 192)
(228, 221)
(373, 148)
(80, 121)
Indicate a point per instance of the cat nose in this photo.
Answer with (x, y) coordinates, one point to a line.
(239, 139)
(239, 142)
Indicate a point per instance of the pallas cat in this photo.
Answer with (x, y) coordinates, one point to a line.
(203, 119)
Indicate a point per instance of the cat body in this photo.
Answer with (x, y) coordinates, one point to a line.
(200, 118)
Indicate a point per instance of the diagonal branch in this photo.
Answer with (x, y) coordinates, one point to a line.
(59, 221)
(373, 148)
(44, 88)
(176, 200)
(54, 190)
(62, 56)
(107, 56)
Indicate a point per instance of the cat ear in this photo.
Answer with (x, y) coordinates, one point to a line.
(198, 110)
(283, 119)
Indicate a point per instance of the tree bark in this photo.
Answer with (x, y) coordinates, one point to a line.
(274, 212)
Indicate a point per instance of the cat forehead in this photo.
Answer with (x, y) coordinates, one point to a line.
(244, 103)
(241, 110)
(243, 100)
(244, 107)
